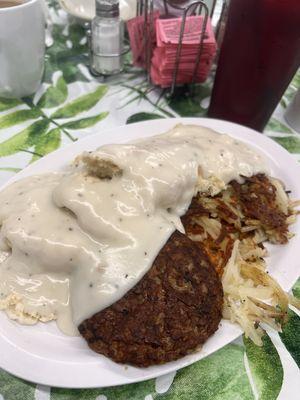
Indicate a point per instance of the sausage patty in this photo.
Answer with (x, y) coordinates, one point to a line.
(174, 308)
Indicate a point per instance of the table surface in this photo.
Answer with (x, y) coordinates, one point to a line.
(72, 104)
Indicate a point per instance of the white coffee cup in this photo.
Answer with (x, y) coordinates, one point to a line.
(22, 48)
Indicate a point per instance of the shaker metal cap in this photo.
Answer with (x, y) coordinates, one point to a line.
(107, 8)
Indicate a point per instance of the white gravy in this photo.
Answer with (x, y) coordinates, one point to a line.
(76, 243)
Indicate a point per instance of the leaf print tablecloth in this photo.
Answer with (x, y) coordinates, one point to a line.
(72, 104)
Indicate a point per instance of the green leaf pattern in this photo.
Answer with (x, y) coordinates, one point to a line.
(221, 376)
(190, 106)
(54, 95)
(290, 336)
(136, 391)
(296, 289)
(277, 126)
(85, 122)
(47, 143)
(24, 139)
(6, 104)
(65, 58)
(18, 117)
(291, 90)
(83, 103)
(35, 135)
(15, 389)
(266, 368)
(142, 116)
(290, 143)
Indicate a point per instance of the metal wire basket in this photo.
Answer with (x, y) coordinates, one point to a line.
(145, 8)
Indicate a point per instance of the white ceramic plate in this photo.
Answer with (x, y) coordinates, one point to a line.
(43, 355)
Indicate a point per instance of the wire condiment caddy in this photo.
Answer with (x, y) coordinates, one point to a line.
(145, 8)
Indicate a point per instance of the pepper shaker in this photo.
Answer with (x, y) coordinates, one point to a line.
(107, 38)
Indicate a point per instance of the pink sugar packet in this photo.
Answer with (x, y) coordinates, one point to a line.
(136, 31)
(168, 31)
(163, 64)
(160, 58)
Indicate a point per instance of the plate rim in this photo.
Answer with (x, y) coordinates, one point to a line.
(82, 144)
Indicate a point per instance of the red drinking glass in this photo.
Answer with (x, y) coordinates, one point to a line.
(259, 56)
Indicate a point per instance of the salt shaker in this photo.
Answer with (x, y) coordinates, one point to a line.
(107, 38)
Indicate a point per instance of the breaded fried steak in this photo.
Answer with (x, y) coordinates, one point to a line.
(174, 309)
